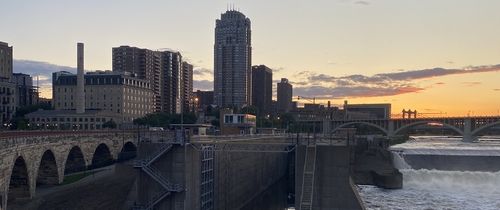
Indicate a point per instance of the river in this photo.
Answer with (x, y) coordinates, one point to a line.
(439, 189)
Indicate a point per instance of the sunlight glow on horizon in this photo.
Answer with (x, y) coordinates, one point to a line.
(332, 37)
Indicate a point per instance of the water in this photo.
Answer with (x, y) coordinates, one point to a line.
(434, 189)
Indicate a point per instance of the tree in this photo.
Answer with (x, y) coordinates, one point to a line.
(253, 110)
(21, 123)
(110, 124)
(162, 119)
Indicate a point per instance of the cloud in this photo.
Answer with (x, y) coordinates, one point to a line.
(198, 71)
(321, 92)
(203, 85)
(277, 69)
(38, 67)
(469, 84)
(43, 70)
(437, 72)
(384, 84)
(366, 3)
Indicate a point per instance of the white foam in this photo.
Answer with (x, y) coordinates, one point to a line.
(434, 189)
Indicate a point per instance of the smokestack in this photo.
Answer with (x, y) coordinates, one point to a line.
(80, 89)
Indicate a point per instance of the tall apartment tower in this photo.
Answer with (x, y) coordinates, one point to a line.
(143, 63)
(5, 61)
(7, 88)
(262, 87)
(187, 87)
(285, 91)
(232, 60)
(171, 71)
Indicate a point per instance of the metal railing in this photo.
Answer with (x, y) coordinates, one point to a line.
(155, 174)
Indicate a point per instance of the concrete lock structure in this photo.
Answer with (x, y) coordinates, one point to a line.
(227, 172)
(31, 159)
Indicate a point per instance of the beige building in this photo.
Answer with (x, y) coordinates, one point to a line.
(123, 94)
(7, 88)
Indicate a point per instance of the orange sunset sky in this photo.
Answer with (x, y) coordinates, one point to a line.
(433, 56)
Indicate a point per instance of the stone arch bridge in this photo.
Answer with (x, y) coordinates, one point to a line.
(31, 159)
(468, 127)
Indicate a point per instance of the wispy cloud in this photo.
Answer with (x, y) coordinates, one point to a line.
(198, 71)
(362, 3)
(43, 70)
(384, 84)
(470, 84)
(306, 83)
(321, 92)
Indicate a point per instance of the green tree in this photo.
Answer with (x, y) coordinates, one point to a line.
(110, 124)
(19, 122)
(253, 110)
(162, 119)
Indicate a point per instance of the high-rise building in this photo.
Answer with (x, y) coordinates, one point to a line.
(262, 87)
(145, 64)
(26, 93)
(171, 70)
(7, 88)
(233, 60)
(5, 61)
(285, 92)
(163, 70)
(187, 87)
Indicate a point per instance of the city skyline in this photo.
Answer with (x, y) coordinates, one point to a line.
(357, 52)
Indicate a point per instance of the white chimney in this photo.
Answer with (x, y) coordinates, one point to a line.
(80, 89)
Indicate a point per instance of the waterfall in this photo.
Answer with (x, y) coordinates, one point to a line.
(452, 181)
(437, 189)
(399, 161)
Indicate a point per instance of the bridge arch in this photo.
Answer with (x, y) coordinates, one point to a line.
(426, 122)
(75, 161)
(102, 156)
(19, 184)
(127, 152)
(477, 130)
(362, 123)
(47, 173)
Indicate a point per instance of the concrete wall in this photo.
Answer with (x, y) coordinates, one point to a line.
(238, 176)
(333, 188)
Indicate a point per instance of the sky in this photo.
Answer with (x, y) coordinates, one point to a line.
(432, 56)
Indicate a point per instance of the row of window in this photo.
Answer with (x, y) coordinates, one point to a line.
(68, 119)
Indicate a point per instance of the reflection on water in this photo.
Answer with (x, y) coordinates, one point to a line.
(274, 198)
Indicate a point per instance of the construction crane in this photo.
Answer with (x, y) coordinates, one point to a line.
(313, 99)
